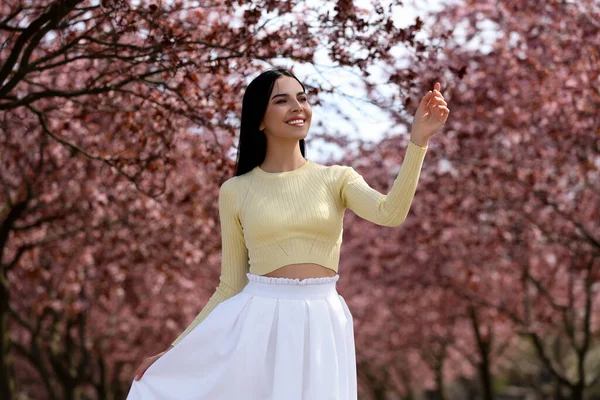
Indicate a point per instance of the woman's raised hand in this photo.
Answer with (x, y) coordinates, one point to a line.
(431, 114)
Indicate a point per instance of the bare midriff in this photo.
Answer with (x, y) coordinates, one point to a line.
(302, 271)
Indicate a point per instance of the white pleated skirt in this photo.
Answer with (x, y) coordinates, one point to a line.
(278, 339)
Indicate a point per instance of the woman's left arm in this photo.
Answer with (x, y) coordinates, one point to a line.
(391, 209)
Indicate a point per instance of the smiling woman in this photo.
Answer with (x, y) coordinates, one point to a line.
(276, 327)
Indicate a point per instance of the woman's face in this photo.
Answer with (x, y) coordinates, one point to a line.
(288, 113)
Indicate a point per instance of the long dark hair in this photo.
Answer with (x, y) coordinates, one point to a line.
(252, 146)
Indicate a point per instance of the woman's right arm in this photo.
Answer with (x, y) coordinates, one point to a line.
(234, 254)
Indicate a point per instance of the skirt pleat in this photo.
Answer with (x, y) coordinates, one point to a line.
(278, 339)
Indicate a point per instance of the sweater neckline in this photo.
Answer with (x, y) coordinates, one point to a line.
(284, 174)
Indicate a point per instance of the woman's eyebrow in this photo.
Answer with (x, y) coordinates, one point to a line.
(285, 95)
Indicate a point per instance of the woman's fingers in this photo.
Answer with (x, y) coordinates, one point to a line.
(442, 112)
(139, 375)
(438, 99)
(146, 364)
(434, 104)
(433, 99)
(445, 109)
(427, 98)
(438, 94)
(140, 371)
(426, 102)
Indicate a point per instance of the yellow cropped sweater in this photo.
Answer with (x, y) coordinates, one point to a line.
(269, 220)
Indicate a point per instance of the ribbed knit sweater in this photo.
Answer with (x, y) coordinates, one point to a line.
(271, 219)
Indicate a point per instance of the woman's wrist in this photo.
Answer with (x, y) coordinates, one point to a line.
(419, 142)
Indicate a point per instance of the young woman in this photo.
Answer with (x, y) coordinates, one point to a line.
(275, 327)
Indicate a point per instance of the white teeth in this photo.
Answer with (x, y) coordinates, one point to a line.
(296, 122)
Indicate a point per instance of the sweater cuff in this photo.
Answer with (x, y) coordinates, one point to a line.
(414, 144)
(414, 156)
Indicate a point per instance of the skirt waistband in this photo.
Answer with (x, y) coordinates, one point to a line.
(292, 288)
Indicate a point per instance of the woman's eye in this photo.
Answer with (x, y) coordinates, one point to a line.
(302, 99)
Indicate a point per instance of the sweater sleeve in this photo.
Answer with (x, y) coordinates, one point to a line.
(234, 255)
(390, 209)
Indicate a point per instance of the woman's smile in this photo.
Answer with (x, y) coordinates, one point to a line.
(296, 122)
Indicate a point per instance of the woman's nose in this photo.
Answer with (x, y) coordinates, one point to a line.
(296, 105)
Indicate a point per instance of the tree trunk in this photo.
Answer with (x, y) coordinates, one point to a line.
(577, 392)
(7, 378)
(439, 380)
(485, 377)
(484, 346)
